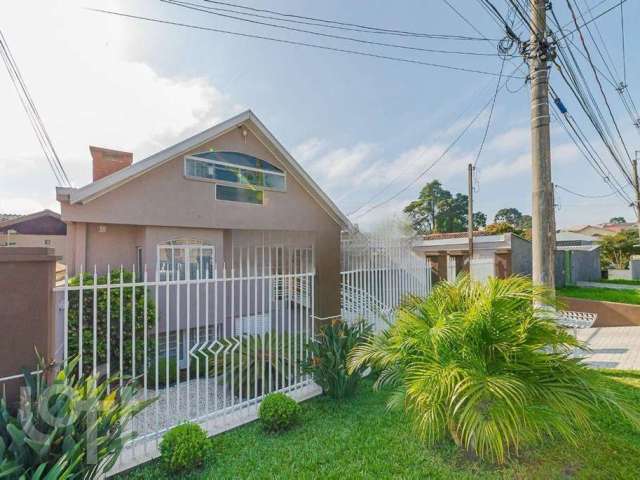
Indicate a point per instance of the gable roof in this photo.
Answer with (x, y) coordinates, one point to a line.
(14, 219)
(247, 118)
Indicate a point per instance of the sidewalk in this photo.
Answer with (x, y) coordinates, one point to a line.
(613, 347)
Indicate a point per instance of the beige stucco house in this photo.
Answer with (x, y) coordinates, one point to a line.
(196, 201)
(38, 229)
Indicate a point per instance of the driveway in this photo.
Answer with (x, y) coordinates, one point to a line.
(613, 347)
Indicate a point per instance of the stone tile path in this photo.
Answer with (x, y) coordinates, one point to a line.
(613, 347)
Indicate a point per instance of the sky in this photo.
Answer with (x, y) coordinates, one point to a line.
(367, 129)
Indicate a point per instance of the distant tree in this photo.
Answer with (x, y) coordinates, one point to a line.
(479, 220)
(512, 216)
(617, 220)
(617, 249)
(502, 227)
(526, 222)
(438, 210)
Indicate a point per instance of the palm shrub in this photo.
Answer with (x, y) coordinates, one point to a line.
(69, 428)
(328, 357)
(133, 326)
(481, 364)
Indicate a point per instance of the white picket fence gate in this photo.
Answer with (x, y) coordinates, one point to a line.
(378, 273)
(207, 341)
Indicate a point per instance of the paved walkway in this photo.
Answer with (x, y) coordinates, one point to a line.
(613, 347)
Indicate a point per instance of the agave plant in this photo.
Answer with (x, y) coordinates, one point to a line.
(69, 428)
(482, 364)
(328, 357)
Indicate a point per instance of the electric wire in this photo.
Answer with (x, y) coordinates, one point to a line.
(204, 9)
(361, 27)
(33, 115)
(583, 195)
(293, 42)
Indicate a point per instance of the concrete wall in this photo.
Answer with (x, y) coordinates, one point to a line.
(26, 310)
(57, 242)
(610, 314)
(585, 266)
(520, 256)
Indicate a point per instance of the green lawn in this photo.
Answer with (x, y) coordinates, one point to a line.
(619, 281)
(360, 438)
(606, 294)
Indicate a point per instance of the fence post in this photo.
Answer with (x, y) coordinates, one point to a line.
(27, 279)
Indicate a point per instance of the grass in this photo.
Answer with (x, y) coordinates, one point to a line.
(360, 438)
(620, 281)
(605, 294)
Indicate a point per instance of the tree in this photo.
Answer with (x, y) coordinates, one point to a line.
(438, 211)
(512, 216)
(617, 220)
(617, 249)
(502, 227)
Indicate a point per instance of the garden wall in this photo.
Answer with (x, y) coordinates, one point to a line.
(610, 314)
(27, 276)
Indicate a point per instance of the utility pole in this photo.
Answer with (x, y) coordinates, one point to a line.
(470, 213)
(543, 233)
(636, 187)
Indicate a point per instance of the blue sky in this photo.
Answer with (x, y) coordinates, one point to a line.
(355, 123)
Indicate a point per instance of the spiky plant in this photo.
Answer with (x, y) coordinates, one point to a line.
(68, 428)
(482, 364)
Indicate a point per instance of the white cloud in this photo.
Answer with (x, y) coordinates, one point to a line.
(88, 92)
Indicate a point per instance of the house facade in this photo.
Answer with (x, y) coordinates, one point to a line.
(493, 255)
(39, 229)
(192, 207)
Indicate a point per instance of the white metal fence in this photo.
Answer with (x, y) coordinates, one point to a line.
(378, 273)
(208, 344)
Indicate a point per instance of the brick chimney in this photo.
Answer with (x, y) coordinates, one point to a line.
(106, 162)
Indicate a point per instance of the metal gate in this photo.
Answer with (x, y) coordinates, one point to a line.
(208, 341)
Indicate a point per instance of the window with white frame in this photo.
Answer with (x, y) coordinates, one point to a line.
(241, 177)
(185, 259)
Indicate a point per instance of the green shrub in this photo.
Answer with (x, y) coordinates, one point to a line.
(184, 447)
(278, 412)
(259, 363)
(163, 363)
(113, 335)
(55, 442)
(328, 357)
(481, 364)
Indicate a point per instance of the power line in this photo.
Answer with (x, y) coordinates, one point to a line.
(583, 195)
(361, 27)
(297, 43)
(433, 164)
(486, 128)
(33, 115)
(200, 8)
(592, 19)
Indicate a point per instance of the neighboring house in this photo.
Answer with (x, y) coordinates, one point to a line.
(497, 255)
(40, 229)
(191, 205)
(601, 230)
(567, 239)
(577, 258)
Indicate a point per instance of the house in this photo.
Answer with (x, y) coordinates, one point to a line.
(577, 256)
(198, 204)
(566, 239)
(494, 255)
(39, 229)
(600, 230)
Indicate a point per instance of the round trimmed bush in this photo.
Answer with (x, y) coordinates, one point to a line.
(184, 447)
(278, 412)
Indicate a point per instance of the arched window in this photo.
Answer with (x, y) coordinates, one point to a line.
(242, 177)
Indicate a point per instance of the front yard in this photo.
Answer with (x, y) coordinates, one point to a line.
(603, 294)
(360, 438)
